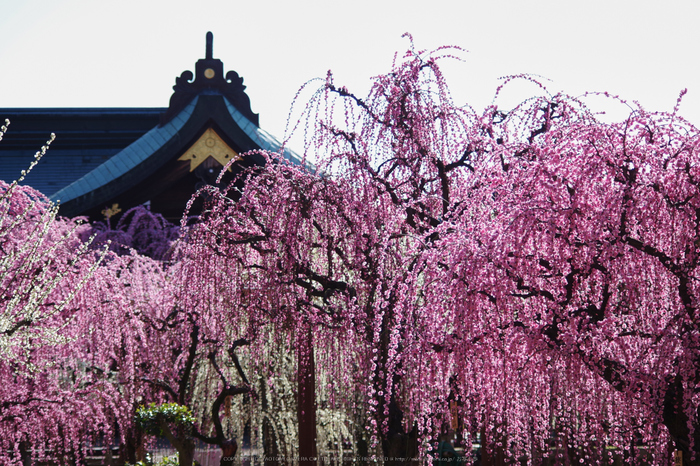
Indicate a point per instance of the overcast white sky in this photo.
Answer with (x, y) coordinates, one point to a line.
(89, 53)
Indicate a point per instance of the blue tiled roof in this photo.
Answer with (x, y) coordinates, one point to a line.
(141, 158)
(85, 139)
(261, 137)
(55, 170)
(127, 159)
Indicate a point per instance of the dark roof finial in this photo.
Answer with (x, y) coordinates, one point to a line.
(210, 45)
(209, 77)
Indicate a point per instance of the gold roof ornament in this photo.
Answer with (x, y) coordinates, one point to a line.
(110, 212)
(209, 145)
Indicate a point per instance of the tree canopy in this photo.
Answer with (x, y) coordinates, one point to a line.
(526, 277)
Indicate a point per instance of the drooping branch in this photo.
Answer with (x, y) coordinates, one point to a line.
(163, 385)
(18, 325)
(191, 357)
(216, 408)
(234, 357)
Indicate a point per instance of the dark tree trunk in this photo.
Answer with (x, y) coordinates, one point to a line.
(270, 447)
(131, 451)
(182, 442)
(676, 420)
(186, 452)
(399, 447)
(25, 452)
(306, 402)
(362, 448)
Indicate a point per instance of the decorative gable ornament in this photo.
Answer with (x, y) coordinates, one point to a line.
(209, 146)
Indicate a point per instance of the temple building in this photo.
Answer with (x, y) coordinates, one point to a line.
(132, 156)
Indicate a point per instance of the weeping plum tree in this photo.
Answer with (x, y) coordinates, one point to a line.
(586, 244)
(257, 247)
(335, 257)
(75, 323)
(139, 229)
(54, 398)
(525, 276)
(89, 336)
(176, 355)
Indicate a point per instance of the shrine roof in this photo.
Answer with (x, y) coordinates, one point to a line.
(162, 138)
(133, 155)
(85, 138)
(125, 160)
